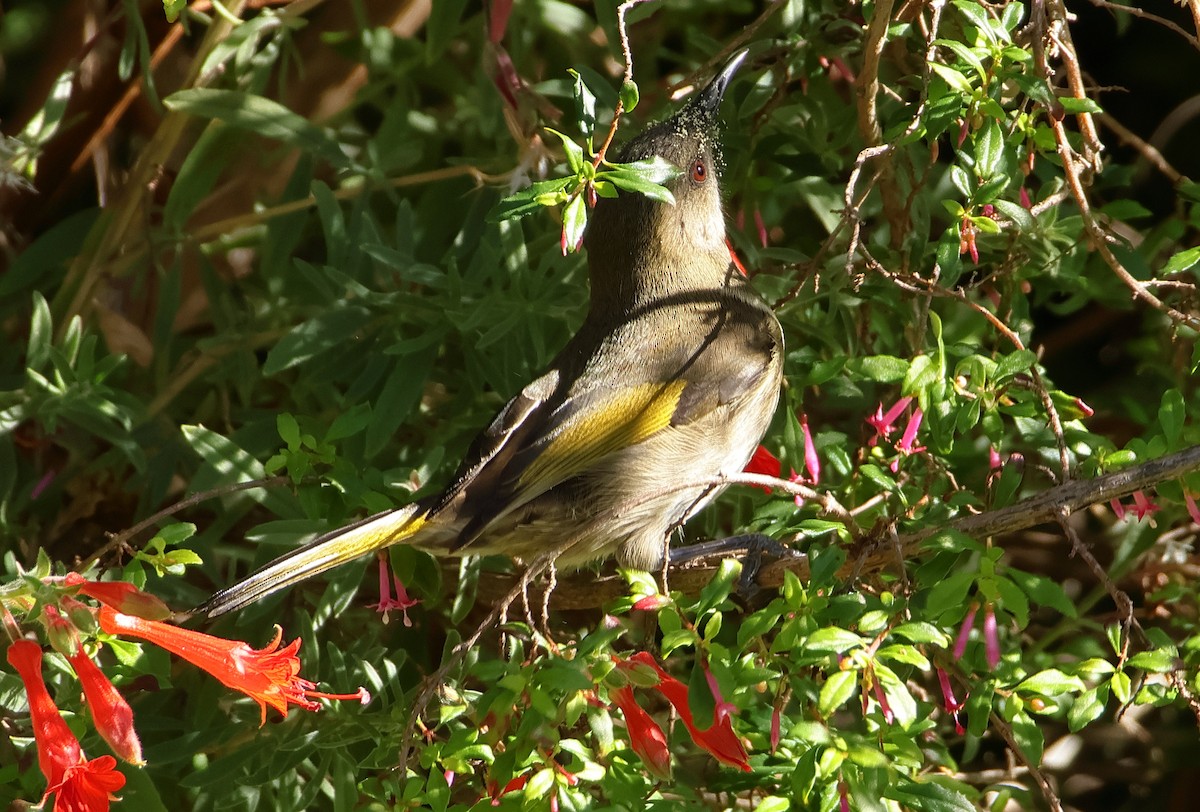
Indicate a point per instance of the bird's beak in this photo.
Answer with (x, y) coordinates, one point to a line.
(708, 101)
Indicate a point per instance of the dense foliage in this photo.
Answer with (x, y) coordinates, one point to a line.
(264, 243)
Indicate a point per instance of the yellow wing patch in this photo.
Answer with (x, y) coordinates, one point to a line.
(628, 418)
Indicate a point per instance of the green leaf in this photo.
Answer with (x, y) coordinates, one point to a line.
(953, 78)
(535, 197)
(630, 95)
(1070, 104)
(929, 796)
(882, 368)
(173, 8)
(989, 148)
(573, 151)
(1019, 215)
(1158, 661)
(921, 632)
(574, 223)
(833, 639)
(259, 116)
(1011, 365)
(1122, 686)
(836, 691)
(1087, 707)
(1051, 682)
(585, 104)
(289, 429)
(1181, 261)
(1171, 416)
(332, 327)
(1043, 591)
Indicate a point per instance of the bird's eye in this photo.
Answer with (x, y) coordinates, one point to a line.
(699, 172)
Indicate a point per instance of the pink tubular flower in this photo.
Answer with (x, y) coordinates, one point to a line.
(812, 463)
(1026, 203)
(883, 421)
(991, 640)
(1192, 510)
(776, 720)
(949, 702)
(1142, 505)
(269, 676)
(1117, 508)
(402, 602)
(645, 736)
(761, 227)
(722, 709)
(111, 714)
(964, 631)
(905, 444)
(880, 696)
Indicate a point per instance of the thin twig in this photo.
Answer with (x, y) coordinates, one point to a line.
(1095, 231)
(118, 540)
(1134, 11)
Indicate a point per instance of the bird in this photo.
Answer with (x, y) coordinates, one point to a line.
(668, 386)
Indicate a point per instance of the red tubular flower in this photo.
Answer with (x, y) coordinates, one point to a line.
(719, 738)
(78, 785)
(776, 720)
(269, 676)
(766, 463)
(645, 736)
(88, 787)
(111, 714)
(57, 746)
(122, 596)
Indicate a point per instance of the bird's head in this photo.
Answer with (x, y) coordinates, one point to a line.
(640, 246)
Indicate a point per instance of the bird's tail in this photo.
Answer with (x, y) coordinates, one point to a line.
(324, 553)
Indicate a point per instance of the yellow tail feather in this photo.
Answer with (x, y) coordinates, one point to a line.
(324, 553)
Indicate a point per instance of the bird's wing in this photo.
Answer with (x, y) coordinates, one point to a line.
(563, 437)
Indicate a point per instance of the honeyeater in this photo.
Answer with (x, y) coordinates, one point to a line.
(669, 384)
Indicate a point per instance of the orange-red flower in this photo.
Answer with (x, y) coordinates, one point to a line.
(122, 596)
(79, 785)
(57, 746)
(718, 738)
(111, 714)
(269, 676)
(88, 787)
(645, 736)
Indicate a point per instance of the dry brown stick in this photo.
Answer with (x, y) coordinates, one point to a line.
(866, 87)
(1095, 231)
(116, 540)
(1006, 732)
(1147, 150)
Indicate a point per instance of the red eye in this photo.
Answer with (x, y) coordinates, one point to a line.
(699, 172)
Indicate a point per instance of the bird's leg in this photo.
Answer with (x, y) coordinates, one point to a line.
(749, 548)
